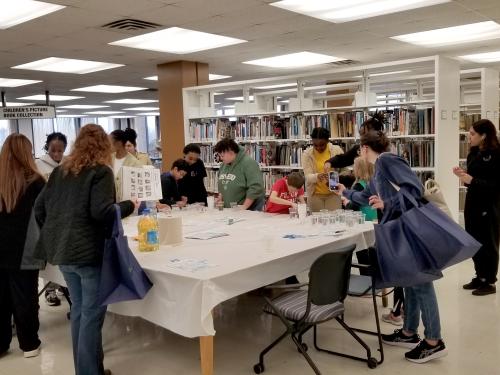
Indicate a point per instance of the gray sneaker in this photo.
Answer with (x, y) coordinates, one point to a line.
(398, 338)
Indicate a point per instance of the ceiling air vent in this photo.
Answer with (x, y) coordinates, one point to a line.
(344, 63)
(130, 24)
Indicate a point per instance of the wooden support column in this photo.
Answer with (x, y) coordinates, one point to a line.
(172, 78)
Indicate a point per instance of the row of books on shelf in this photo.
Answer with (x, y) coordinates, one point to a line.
(467, 119)
(418, 153)
(399, 121)
(464, 148)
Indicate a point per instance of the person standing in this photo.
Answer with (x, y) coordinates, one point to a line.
(55, 146)
(482, 204)
(20, 184)
(131, 147)
(240, 178)
(192, 185)
(319, 197)
(76, 212)
(420, 300)
(121, 158)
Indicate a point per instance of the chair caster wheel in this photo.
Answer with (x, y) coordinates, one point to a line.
(372, 362)
(304, 347)
(258, 368)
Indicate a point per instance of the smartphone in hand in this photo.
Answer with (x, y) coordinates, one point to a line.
(333, 181)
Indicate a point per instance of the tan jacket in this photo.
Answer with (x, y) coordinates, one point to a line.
(143, 158)
(309, 165)
(130, 161)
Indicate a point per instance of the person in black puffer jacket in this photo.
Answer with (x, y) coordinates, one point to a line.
(20, 184)
(76, 212)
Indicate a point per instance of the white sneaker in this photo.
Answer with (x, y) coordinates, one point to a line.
(391, 319)
(32, 353)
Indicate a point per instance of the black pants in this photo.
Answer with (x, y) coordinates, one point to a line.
(485, 228)
(19, 297)
(399, 300)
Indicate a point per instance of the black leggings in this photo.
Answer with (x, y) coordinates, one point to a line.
(399, 300)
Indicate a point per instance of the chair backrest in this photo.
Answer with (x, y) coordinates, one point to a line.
(329, 276)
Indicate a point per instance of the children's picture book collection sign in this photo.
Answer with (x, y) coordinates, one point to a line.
(143, 184)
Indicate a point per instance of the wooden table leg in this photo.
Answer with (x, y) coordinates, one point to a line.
(207, 355)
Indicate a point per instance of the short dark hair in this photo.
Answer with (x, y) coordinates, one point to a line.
(131, 135)
(376, 122)
(119, 136)
(320, 133)
(296, 180)
(376, 140)
(181, 165)
(227, 144)
(191, 147)
(485, 127)
(55, 137)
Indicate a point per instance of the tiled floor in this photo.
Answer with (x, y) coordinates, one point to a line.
(471, 329)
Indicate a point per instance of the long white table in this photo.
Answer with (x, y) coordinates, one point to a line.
(254, 254)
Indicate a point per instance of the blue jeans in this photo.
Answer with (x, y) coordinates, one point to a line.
(87, 318)
(422, 299)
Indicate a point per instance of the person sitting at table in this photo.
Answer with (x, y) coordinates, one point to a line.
(313, 161)
(240, 177)
(285, 193)
(76, 212)
(192, 185)
(170, 184)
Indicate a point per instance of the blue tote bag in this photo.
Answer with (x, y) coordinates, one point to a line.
(415, 247)
(122, 278)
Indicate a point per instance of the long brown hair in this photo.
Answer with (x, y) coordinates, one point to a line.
(92, 147)
(17, 170)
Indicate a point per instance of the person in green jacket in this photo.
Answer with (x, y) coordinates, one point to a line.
(240, 178)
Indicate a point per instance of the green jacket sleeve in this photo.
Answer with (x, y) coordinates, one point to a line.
(255, 182)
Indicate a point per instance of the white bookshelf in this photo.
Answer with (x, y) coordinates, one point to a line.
(435, 85)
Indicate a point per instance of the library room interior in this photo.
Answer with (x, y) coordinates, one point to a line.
(249, 186)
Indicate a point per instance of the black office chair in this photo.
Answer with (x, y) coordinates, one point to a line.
(301, 310)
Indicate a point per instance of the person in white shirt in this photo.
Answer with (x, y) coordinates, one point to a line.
(55, 146)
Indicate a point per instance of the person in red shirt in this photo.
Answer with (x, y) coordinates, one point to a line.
(286, 193)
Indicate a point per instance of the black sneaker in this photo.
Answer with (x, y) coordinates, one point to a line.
(474, 284)
(424, 352)
(484, 290)
(52, 299)
(398, 338)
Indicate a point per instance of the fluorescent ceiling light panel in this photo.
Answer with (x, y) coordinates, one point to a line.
(295, 60)
(103, 112)
(473, 32)
(152, 78)
(11, 82)
(17, 104)
(149, 114)
(485, 57)
(177, 40)
(83, 106)
(71, 116)
(345, 11)
(123, 116)
(142, 109)
(284, 101)
(132, 101)
(61, 65)
(250, 97)
(214, 77)
(110, 89)
(53, 98)
(218, 93)
(61, 110)
(276, 86)
(15, 12)
(228, 106)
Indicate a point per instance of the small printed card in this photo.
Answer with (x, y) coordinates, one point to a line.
(189, 264)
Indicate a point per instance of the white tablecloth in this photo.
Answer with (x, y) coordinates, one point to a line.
(254, 254)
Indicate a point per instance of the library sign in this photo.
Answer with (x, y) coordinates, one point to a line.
(30, 112)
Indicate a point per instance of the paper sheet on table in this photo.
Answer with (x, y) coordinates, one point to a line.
(189, 264)
(206, 235)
